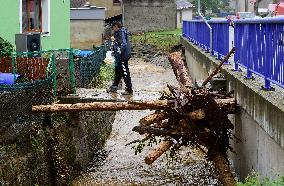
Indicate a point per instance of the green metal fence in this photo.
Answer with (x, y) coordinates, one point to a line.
(34, 67)
(58, 66)
(89, 66)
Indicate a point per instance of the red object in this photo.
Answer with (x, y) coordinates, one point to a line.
(279, 9)
(33, 68)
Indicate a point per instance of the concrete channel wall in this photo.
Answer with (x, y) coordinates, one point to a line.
(34, 154)
(260, 124)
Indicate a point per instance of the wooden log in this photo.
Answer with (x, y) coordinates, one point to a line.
(222, 166)
(228, 94)
(197, 115)
(162, 124)
(225, 104)
(153, 118)
(180, 69)
(103, 106)
(156, 153)
(226, 58)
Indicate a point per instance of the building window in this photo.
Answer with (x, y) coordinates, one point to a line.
(35, 16)
(31, 16)
(116, 2)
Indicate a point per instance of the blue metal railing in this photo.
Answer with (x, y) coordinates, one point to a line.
(260, 48)
(198, 33)
(259, 45)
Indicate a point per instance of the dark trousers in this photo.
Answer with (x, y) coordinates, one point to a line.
(122, 71)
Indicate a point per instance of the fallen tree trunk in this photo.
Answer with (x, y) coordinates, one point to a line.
(226, 58)
(153, 118)
(156, 153)
(103, 106)
(222, 166)
(180, 69)
(197, 115)
(225, 104)
(160, 116)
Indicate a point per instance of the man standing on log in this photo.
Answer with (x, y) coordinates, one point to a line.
(122, 54)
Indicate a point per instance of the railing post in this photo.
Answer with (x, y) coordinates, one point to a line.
(226, 40)
(249, 35)
(268, 56)
(237, 47)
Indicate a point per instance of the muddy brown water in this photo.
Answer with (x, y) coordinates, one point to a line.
(117, 164)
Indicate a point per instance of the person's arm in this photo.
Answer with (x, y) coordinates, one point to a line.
(123, 41)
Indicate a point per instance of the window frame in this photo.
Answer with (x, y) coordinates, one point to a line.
(45, 18)
(29, 16)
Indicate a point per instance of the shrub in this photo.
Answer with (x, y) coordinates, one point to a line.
(255, 180)
(106, 74)
(6, 48)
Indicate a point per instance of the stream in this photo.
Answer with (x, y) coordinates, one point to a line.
(117, 164)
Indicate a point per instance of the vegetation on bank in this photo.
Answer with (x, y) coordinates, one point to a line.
(6, 48)
(255, 180)
(163, 40)
(105, 75)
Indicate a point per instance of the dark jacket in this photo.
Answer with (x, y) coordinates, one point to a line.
(122, 46)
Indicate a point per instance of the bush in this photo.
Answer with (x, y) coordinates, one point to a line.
(6, 48)
(255, 180)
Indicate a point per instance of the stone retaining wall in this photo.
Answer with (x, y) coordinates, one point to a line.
(34, 154)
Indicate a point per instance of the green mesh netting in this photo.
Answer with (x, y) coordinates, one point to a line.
(89, 66)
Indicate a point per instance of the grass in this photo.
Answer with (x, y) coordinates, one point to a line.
(163, 40)
(255, 180)
(167, 32)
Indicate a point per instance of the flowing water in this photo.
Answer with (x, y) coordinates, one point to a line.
(117, 164)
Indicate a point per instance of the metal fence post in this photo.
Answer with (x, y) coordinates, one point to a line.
(72, 71)
(53, 74)
(14, 56)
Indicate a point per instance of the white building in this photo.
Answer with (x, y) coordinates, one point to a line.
(87, 26)
(184, 11)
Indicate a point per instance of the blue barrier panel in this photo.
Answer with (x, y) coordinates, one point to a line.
(197, 32)
(220, 38)
(260, 48)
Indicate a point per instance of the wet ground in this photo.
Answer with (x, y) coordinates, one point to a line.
(117, 164)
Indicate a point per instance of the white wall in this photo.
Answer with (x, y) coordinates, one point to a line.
(86, 33)
(179, 22)
(186, 15)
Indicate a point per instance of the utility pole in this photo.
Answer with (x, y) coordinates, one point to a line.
(256, 7)
(246, 5)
